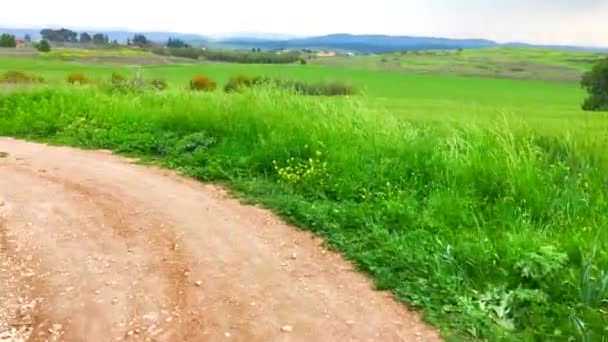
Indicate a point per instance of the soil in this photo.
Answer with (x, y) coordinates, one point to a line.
(96, 248)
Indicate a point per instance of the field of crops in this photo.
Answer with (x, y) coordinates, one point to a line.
(482, 202)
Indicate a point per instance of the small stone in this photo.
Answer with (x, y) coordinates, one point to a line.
(350, 322)
(130, 333)
(286, 328)
(227, 334)
(137, 331)
(69, 289)
(198, 283)
(283, 264)
(169, 319)
(57, 327)
(97, 292)
(115, 301)
(294, 256)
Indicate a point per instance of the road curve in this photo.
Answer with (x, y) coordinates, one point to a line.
(96, 248)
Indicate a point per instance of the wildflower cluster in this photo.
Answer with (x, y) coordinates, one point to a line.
(295, 171)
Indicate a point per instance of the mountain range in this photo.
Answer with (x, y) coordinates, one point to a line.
(346, 42)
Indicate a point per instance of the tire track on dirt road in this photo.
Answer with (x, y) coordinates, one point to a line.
(128, 252)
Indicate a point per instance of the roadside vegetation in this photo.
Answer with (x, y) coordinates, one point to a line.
(495, 231)
(481, 202)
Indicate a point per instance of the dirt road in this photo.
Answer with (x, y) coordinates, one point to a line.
(95, 248)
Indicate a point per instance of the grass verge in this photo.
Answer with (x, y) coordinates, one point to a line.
(494, 232)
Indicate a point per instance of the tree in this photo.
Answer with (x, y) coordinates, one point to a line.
(100, 39)
(61, 35)
(85, 38)
(28, 38)
(8, 40)
(43, 46)
(596, 84)
(139, 40)
(176, 43)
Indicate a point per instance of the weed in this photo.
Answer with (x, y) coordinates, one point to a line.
(77, 78)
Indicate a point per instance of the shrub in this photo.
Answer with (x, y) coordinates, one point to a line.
(158, 84)
(15, 77)
(596, 84)
(118, 78)
(240, 82)
(186, 52)
(77, 78)
(202, 83)
(319, 89)
(248, 57)
(43, 46)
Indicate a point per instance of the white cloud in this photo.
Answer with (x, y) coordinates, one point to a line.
(557, 21)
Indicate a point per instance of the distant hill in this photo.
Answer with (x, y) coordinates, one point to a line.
(348, 42)
(364, 43)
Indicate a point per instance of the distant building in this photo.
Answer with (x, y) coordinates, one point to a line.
(327, 54)
(20, 42)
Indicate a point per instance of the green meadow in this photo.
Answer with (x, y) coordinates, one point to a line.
(482, 202)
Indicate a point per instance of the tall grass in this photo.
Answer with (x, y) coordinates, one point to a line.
(487, 229)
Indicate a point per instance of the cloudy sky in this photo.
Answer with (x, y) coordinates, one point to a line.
(539, 21)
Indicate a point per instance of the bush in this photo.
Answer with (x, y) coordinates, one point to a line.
(77, 78)
(319, 89)
(122, 84)
(596, 84)
(16, 77)
(240, 82)
(118, 78)
(202, 83)
(158, 84)
(186, 52)
(248, 57)
(43, 46)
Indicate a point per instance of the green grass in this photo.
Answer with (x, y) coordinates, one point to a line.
(428, 97)
(515, 63)
(481, 202)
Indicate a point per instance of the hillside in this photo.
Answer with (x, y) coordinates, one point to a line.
(349, 42)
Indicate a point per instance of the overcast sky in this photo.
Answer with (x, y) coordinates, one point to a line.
(540, 21)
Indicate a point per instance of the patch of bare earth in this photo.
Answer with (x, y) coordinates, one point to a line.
(94, 248)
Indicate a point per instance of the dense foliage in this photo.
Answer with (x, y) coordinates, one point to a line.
(596, 84)
(139, 40)
(8, 41)
(61, 35)
(43, 46)
(85, 38)
(495, 231)
(176, 43)
(247, 57)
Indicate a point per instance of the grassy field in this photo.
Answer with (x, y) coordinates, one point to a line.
(512, 63)
(481, 202)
